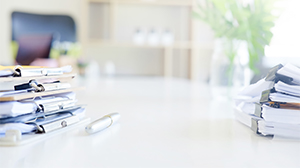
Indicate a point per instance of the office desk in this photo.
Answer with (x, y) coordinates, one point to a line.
(164, 123)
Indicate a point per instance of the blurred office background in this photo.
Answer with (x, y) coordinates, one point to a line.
(147, 37)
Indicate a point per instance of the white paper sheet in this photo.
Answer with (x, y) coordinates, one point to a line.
(279, 97)
(255, 89)
(290, 71)
(289, 89)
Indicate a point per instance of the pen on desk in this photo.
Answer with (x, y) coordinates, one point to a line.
(102, 123)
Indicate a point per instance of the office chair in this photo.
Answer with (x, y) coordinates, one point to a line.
(36, 32)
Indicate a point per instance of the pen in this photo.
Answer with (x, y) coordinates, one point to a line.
(102, 123)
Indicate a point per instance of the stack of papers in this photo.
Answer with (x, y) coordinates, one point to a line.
(37, 100)
(271, 107)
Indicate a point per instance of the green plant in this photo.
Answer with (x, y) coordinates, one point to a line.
(245, 20)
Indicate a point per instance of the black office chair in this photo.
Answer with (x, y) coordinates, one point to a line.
(40, 31)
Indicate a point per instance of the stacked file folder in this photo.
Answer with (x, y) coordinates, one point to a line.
(271, 107)
(36, 101)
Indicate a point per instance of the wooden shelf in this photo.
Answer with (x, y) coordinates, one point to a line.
(175, 45)
(111, 28)
(149, 2)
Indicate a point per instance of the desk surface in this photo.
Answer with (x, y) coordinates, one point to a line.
(164, 123)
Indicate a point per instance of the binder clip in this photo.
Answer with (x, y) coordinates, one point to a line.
(254, 125)
(265, 96)
(32, 85)
(56, 106)
(275, 77)
(52, 126)
(271, 76)
(258, 109)
(27, 72)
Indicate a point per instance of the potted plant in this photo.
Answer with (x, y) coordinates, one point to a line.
(239, 23)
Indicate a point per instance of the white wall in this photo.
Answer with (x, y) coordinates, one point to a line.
(69, 7)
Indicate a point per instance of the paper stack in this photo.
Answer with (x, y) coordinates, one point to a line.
(271, 107)
(36, 100)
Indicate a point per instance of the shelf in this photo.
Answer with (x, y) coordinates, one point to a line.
(175, 45)
(112, 23)
(148, 2)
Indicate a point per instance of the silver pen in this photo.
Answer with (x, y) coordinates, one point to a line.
(102, 123)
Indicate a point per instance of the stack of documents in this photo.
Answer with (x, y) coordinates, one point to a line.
(37, 100)
(271, 107)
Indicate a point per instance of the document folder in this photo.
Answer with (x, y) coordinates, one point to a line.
(37, 102)
(272, 105)
(13, 138)
(8, 83)
(36, 87)
(47, 103)
(28, 71)
(265, 128)
(40, 125)
(27, 95)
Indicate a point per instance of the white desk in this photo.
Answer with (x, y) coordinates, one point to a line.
(164, 123)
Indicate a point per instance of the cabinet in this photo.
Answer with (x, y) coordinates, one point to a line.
(115, 23)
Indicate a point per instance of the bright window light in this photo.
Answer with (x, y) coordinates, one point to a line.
(286, 38)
